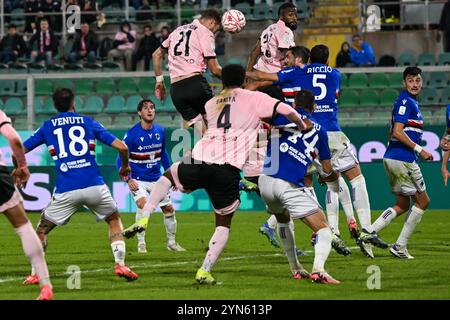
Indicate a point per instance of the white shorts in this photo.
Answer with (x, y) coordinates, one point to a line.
(405, 178)
(280, 195)
(63, 205)
(145, 188)
(342, 156)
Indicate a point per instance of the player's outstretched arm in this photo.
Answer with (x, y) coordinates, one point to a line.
(262, 76)
(160, 88)
(254, 55)
(291, 114)
(125, 170)
(399, 133)
(214, 67)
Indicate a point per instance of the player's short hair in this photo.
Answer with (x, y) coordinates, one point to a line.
(286, 6)
(301, 51)
(320, 54)
(411, 71)
(142, 102)
(211, 14)
(305, 99)
(233, 75)
(63, 99)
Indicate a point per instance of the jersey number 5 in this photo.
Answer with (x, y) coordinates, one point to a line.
(320, 85)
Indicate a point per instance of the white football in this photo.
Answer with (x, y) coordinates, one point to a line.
(233, 21)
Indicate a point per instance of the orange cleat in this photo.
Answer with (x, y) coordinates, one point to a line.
(31, 279)
(46, 293)
(323, 277)
(301, 274)
(125, 272)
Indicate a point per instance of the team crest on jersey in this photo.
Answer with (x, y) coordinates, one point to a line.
(157, 136)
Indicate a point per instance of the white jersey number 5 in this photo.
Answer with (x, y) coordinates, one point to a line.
(320, 85)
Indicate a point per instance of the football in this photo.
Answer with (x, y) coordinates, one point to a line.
(233, 21)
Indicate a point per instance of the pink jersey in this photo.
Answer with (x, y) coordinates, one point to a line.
(234, 119)
(276, 36)
(255, 161)
(189, 47)
(4, 130)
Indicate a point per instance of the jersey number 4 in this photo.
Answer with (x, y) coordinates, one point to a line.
(183, 36)
(223, 121)
(75, 140)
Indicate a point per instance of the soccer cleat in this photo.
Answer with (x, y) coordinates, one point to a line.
(323, 277)
(373, 238)
(366, 248)
(301, 274)
(203, 277)
(31, 279)
(339, 245)
(270, 234)
(138, 226)
(125, 272)
(175, 247)
(46, 293)
(142, 247)
(353, 228)
(247, 186)
(400, 252)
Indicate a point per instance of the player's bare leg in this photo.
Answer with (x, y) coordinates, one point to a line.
(216, 246)
(287, 239)
(118, 247)
(322, 247)
(32, 248)
(170, 223)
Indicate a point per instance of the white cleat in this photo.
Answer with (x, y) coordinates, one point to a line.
(175, 247)
(400, 252)
(142, 248)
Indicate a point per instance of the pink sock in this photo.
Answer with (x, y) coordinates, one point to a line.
(216, 245)
(159, 192)
(33, 250)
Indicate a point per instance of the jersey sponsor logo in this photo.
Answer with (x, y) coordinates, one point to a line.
(63, 167)
(402, 110)
(284, 147)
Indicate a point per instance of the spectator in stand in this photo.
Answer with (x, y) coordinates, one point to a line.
(147, 45)
(12, 46)
(361, 53)
(165, 32)
(85, 45)
(124, 43)
(343, 57)
(52, 6)
(43, 44)
(89, 9)
(31, 6)
(444, 27)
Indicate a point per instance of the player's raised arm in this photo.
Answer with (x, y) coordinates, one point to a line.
(291, 114)
(214, 67)
(262, 76)
(157, 57)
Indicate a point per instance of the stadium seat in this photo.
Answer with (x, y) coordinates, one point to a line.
(18, 17)
(94, 104)
(146, 85)
(369, 98)
(123, 122)
(105, 86)
(429, 96)
(14, 106)
(4, 68)
(444, 58)
(110, 66)
(73, 67)
(18, 67)
(344, 81)
(55, 68)
(426, 114)
(116, 104)
(38, 106)
(127, 86)
(426, 59)
(261, 12)
(378, 80)
(438, 80)
(381, 118)
(358, 81)
(36, 68)
(156, 101)
(302, 10)
(1, 104)
(395, 80)
(445, 96)
(49, 106)
(20, 123)
(79, 103)
(83, 86)
(21, 88)
(63, 83)
(43, 87)
(7, 87)
(388, 97)
(132, 103)
(92, 67)
(348, 99)
(406, 59)
(245, 8)
(105, 120)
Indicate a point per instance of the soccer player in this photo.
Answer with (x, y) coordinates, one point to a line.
(70, 140)
(12, 207)
(283, 189)
(324, 81)
(233, 119)
(404, 173)
(445, 146)
(191, 50)
(270, 49)
(146, 145)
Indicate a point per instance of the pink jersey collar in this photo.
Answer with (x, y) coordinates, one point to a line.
(198, 24)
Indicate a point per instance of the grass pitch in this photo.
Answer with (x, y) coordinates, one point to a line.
(250, 268)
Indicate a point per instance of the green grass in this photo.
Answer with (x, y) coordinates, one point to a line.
(249, 268)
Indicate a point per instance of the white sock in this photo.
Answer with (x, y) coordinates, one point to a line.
(140, 235)
(272, 221)
(332, 205)
(171, 228)
(118, 249)
(322, 249)
(287, 238)
(384, 219)
(361, 202)
(412, 220)
(32, 248)
(216, 245)
(345, 199)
